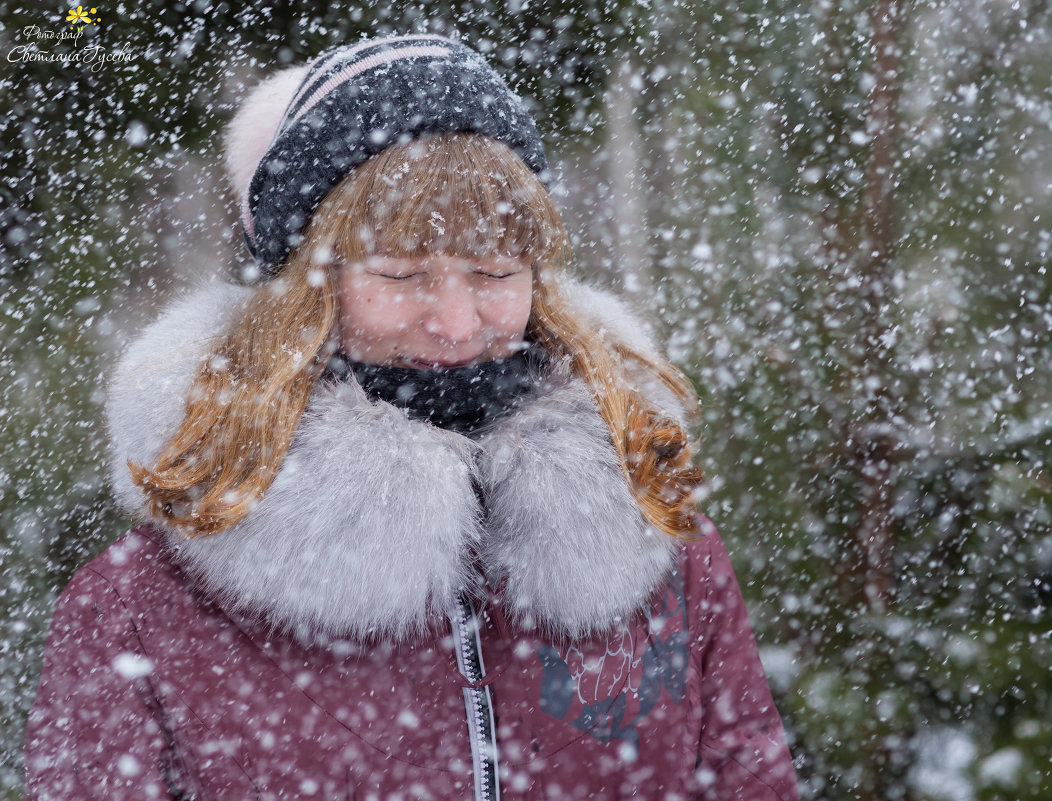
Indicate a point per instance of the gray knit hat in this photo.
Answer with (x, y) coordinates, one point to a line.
(300, 132)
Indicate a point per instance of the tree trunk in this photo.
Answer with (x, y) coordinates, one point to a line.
(625, 179)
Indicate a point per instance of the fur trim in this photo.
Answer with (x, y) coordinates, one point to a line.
(365, 533)
(610, 315)
(146, 397)
(617, 322)
(563, 528)
(372, 523)
(249, 134)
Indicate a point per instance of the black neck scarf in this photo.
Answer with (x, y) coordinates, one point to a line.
(461, 399)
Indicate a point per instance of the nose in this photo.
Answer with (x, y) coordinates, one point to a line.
(453, 314)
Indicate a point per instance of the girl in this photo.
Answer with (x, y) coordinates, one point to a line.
(418, 507)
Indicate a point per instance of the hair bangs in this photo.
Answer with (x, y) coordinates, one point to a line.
(456, 194)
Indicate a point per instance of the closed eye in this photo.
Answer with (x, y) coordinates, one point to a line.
(398, 277)
(497, 276)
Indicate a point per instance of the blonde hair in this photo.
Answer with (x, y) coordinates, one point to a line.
(455, 193)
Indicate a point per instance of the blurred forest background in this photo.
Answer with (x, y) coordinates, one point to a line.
(840, 214)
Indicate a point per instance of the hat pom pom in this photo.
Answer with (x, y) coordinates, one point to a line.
(249, 134)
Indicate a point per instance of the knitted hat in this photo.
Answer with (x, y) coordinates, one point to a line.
(301, 131)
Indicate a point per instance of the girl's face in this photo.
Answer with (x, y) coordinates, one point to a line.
(433, 312)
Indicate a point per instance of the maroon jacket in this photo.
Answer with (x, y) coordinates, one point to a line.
(150, 691)
(342, 640)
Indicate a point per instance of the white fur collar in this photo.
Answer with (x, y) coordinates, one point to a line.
(373, 521)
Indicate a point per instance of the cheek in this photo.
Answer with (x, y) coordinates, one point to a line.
(375, 315)
(508, 309)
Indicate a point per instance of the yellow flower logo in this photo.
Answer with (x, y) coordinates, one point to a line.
(80, 16)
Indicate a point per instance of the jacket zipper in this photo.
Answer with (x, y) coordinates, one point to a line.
(477, 702)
